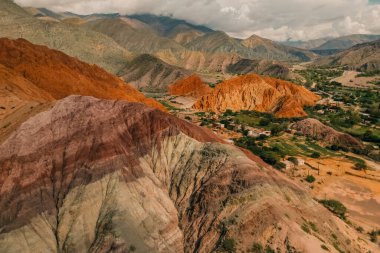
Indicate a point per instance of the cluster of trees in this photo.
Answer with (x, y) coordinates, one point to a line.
(369, 73)
(343, 120)
(269, 155)
(320, 76)
(346, 119)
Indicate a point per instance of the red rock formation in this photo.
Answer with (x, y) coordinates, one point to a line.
(61, 75)
(15, 87)
(16, 91)
(94, 175)
(191, 86)
(264, 94)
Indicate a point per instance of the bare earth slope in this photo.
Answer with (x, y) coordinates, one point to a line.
(19, 99)
(61, 75)
(264, 94)
(134, 35)
(15, 90)
(91, 175)
(151, 74)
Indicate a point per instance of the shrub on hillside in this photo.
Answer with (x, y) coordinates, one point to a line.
(310, 179)
(229, 245)
(335, 207)
(257, 248)
(360, 166)
(315, 155)
(293, 160)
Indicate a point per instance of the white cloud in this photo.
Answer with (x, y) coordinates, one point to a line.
(274, 19)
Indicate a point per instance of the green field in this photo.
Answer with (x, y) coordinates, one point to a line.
(300, 146)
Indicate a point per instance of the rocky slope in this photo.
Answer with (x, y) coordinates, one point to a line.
(317, 130)
(140, 38)
(61, 75)
(151, 74)
(191, 86)
(92, 175)
(135, 36)
(264, 94)
(254, 47)
(363, 57)
(87, 45)
(19, 100)
(183, 34)
(262, 67)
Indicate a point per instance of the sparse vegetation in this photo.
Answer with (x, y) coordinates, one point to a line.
(369, 73)
(315, 155)
(257, 248)
(268, 249)
(168, 106)
(213, 85)
(293, 160)
(360, 229)
(229, 245)
(374, 234)
(132, 248)
(310, 179)
(360, 166)
(305, 228)
(313, 226)
(335, 207)
(324, 247)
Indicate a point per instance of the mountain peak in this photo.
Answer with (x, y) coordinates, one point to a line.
(255, 40)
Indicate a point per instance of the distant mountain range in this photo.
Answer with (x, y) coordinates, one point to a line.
(115, 42)
(329, 46)
(308, 44)
(363, 57)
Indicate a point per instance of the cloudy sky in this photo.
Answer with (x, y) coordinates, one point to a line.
(274, 19)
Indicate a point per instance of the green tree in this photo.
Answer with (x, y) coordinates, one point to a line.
(264, 122)
(310, 179)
